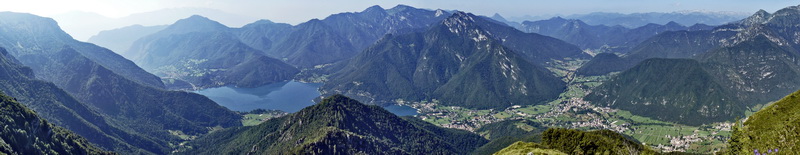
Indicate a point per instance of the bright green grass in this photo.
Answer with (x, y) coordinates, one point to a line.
(255, 119)
(503, 115)
(535, 110)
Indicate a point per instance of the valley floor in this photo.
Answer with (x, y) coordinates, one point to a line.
(571, 111)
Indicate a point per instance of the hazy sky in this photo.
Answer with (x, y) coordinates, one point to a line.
(295, 11)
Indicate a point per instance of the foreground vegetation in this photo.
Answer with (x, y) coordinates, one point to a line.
(25, 133)
(571, 141)
(776, 128)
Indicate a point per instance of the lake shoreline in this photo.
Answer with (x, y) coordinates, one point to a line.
(289, 96)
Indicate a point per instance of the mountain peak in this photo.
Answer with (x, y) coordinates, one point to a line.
(196, 19)
(758, 18)
(399, 8)
(460, 22)
(498, 17)
(374, 12)
(312, 23)
(374, 8)
(762, 12)
(461, 14)
(338, 99)
(557, 18)
(264, 21)
(196, 23)
(259, 22)
(460, 17)
(673, 24)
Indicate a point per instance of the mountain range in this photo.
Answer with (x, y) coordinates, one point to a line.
(317, 42)
(610, 39)
(342, 36)
(633, 20)
(105, 97)
(230, 54)
(640, 19)
(84, 25)
(464, 60)
(205, 54)
(739, 65)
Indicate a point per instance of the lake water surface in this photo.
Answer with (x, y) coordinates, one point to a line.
(285, 96)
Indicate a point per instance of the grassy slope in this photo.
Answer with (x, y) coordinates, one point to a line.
(571, 141)
(775, 127)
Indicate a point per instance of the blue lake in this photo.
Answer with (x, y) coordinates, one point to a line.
(285, 96)
(401, 110)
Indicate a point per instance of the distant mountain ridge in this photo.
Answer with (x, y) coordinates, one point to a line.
(133, 104)
(751, 62)
(205, 54)
(603, 38)
(342, 36)
(640, 19)
(318, 42)
(176, 56)
(84, 25)
(120, 40)
(692, 44)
